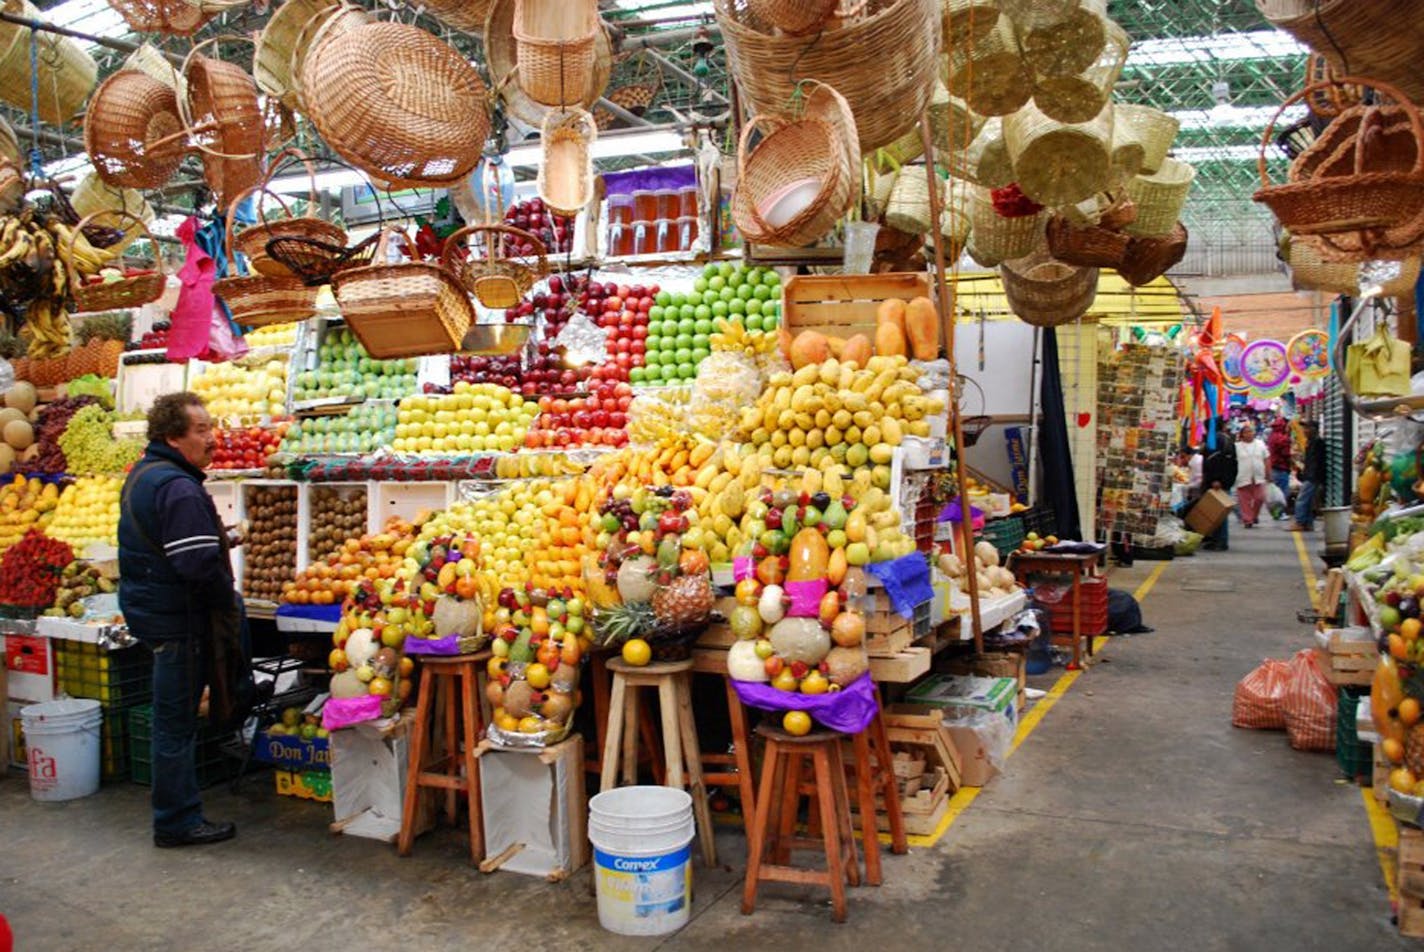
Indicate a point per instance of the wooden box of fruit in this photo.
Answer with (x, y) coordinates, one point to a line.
(1352, 662)
(843, 305)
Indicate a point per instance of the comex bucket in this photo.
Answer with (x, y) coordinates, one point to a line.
(642, 851)
(63, 741)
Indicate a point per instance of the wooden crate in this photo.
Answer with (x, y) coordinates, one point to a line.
(903, 668)
(1411, 915)
(997, 664)
(1352, 662)
(927, 777)
(844, 304)
(1410, 876)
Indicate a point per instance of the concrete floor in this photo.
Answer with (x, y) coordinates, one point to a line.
(1134, 817)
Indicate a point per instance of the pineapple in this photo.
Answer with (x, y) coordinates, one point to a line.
(619, 623)
(683, 602)
(1414, 750)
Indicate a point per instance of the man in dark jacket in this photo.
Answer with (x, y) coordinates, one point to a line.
(174, 573)
(1219, 472)
(1312, 478)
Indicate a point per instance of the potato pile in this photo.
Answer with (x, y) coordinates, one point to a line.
(994, 580)
(271, 545)
(338, 513)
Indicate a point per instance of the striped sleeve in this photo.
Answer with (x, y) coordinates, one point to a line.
(188, 534)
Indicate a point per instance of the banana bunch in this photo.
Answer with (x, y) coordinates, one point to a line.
(77, 250)
(47, 328)
(732, 335)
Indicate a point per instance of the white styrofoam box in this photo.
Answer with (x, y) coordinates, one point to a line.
(368, 766)
(533, 798)
(925, 452)
(939, 422)
(29, 668)
(406, 499)
(67, 629)
(138, 385)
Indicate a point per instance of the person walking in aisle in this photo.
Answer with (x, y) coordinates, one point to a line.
(174, 576)
(1252, 456)
(1219, 472)
(1312, 477)
(1279, 446)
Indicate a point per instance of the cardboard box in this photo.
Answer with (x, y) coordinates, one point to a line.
(965, 694)
(292, 753)
(1210, 512)
(29, 661)
(975, 767)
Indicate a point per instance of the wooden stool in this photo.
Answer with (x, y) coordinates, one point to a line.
(776, 803)
(456, 678)
(601, 686)
(680, 747)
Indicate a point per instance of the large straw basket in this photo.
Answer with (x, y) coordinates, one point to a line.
(1047, 293)
(174, 17)
(1081, 96)
(224, 117)
(1150, 129)
(966, 21)
(1069, 46)
(882, 62)
(953, 125)
(556, 53)
(468, 16)
(1035, 14)
(9, 144)
(986, 162)
(1058, 163)
(148, 59)
(566, 174)
(1310, 272)
(956, 220)
(258, 300)
(503, 52)
(67, 73)
(995, 239)
(497, 279)
(285, 40)
(253, 240)
(797, 17)
(1160, 197)
(407, 309)
(990, 74)
(126, 292)
(908, 209)
(92, 197)
(1149, 256)
(132, 131)
(1379, 38)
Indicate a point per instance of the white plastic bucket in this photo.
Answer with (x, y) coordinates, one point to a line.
(1337, 525)
(63, 741)
(642, 859)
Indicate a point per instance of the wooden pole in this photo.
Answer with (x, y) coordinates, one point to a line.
(947, 326)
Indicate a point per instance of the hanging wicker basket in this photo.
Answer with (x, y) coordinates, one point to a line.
(224, 118)
(1048, 293)
(565, 179)
(1379, 38)
(173, 17)
(1058, 163)
(638, 93)
(1069, 46)
(284, 42)
(130, 291)
(467, 16)
(408, 309)
(1150, 256)
(1151, 130)
(883, 62)
(257, 300)
(966, 21)
(1089, 246)
(396, 102)
(149, 59)
(994, 239)
(556, 48)
(1037, 14)
(12, 188)
(93, 198)
(498, 280)
(986, 162)
(801, 17)
(9, 144)
(503, 52)
(253, 240)
(1160, 197)
(1310, 272)
(133, 132)
(990, 74)
(909, 207)
(67, 73)
(1081, 96)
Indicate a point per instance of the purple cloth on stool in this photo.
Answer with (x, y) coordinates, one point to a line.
(849, 710)
(449, 645)
(339, 712)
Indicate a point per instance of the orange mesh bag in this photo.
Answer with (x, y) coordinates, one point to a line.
(1257, 703)
(1309, 703)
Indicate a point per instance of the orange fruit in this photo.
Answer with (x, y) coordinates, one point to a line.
(1409, 711)
(1410, 628)
(796, 723)
(637, 652)
(748, 591)
(1393, 750)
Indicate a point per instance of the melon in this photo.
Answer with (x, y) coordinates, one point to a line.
(19, 434)
(346, 684)
(11, 413)
(455, 617)
(7, 458)
(800, 639)
(635, 579)
(808, 347)
(743, 663)
(360, 647)
(845, 665)
(22, 396)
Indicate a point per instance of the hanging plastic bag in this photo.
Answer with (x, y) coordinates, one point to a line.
(192, 316)
(1378, 367)
(1257, 703)
(1309, 704)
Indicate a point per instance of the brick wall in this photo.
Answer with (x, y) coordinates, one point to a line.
(1278, 315)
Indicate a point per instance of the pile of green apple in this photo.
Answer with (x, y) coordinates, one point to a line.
(295, 723)
(680, 324)
(344, 369)
(367, 428)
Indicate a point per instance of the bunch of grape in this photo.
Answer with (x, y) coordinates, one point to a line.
(54, 419)
(90, 448)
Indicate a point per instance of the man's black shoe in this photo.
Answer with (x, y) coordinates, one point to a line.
(199, 835)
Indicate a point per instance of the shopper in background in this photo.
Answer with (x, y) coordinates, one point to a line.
(1312, 477)
(1219, 472)
(1279, 446)
(1252, 457)
(174, 576)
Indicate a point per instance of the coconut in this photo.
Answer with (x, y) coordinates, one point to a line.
(360, 647)
(635, 579)
(346, 684)
(845, 665)
(22, 396)
(455, 617)
(800, 639)
(19, 434)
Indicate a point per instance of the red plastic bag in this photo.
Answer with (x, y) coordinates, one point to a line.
(1257, 703)
(1309, 704)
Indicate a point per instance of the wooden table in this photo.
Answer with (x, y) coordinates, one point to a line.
(1078, 565)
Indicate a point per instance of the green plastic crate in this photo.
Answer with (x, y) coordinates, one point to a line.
(1004, 534)
(1355, 757)
(118, 678)
(213, 765)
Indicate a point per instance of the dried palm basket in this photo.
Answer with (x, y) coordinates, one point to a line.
(1149, 256)
(1085, 245)
(133, 132)
(1037, 14)
(224, 119)
(956, 220)
(953, 125)
(1160, 197)
(966, 21)
(284, 42)
(883, 62)
(986, 161)
(149, 59)
(802, 17)
(990, 74)
(1046, 293)
(9, 144)
(405, 309)
(129, 291)
(253, 240)
(467, 16)
(908, 209)
(1057, 163)
(397, 103)
(92, 197)
(1081, 96)
(993, 238)
(174, 17)
(1151, 130)
(566, 173)
(257, 300)
(556, 48)
(1069, 46)
(502, 51)
(1310, 272)
(497, 276)
(1380, 38)
(66, 73)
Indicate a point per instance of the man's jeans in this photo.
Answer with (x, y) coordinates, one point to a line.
(177, 690)
(1305, 505)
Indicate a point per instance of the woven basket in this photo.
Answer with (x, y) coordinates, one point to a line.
(403, 310)
(284, 42)
(966, 21)
(132, 131)
(1160, 197)
(126, 292)
(995, 239)
(253, 240)
(556, 54)
(1059, 163)
(953, 125)
(956, 220)
(1069, 46)
(1047, 293)
(12, 188)
(224, 118)
(467, 16)
(9, 144)
(566, 173)
(1080, 97)
(1149, 256)
(1392, 145)
(1035, 14)
(1329, 102)
(797, 17)
(1380, 38)
(1310, 272)
(92, 197)
(497, 280)
(147, 58)
(883, 63)
(174, 17)
(1150, 129)
(256, 300)
(1089, 246)
(908, 209)
(990, 74)
(502, 50)
(640, 89)
(986, 161)
(1406, 281)
(397, 103)
(67, 73)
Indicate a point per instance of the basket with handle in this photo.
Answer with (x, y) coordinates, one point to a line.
(496, 279)
(128, 291)
(282, 44)
(147, 58)
(67, 73)
(1160, 197)
(257, 300)
(173, 17)
(502, 50)
(990, 74)
(994, 238)
(1046, 293)
(1150, 129)
(224, 120)
(565, 179)
(253, 240)
(1334, 200)
(556, 48)
(404, 309)
(1311, 272)
(801, 17)
(133, 132)
(396, 102)
(1379, 38)
(92, 196)
(1334, 98)
(640, 89)
(1085, 245)
(1149, 256)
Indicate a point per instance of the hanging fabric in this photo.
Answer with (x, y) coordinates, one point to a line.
(1059, 490)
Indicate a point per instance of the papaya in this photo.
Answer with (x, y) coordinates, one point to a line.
(889, 340)
(922, 328)
(836, 344)
(809, 556)
(808, 347)
(857, 349)
(891, 311)
(836, 567)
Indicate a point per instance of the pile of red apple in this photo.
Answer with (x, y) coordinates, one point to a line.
(155, 339)
(598, 419)
(246, 447)
(556, 231)
(624, 314)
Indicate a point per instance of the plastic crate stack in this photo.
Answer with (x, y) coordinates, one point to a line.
(1355, 757)
(1040, 519)
(119, 679)
(214, 766)
(1057, 600)
(1005, 534)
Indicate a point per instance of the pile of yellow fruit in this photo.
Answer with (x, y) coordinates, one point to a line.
(273, 335)
(88, 512)
(244, 392)
(482, 417)
(25, 504)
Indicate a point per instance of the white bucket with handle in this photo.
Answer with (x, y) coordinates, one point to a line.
(63, 741)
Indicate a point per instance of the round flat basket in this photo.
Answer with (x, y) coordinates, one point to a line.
(225, 118)
(1047, 293)
(990, 74)
(67, 73)
(1078, 97)
(1068, 46)
(132, 131)
(397, 102)
(1150, 129)
(503, 53)
(130, 291)
(1036, 14)
(1059, 163)
(1160, 197)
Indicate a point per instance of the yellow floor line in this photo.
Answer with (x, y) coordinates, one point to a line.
(1148, 582)
(1386, 839)
(1307, 570)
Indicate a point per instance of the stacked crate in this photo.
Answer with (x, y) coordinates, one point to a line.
(213, 765)
(119, 679)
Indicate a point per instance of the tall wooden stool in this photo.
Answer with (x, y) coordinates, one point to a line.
(456, 679)
(601, 681)
(673, 681)
(773, 839)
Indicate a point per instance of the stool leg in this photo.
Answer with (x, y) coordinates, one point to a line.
(899, 845)
(412, 770)
(790, 792)
(741, 750)
(648, 730)
(472, 764)
(672, 733)
(825, 793)
(613, 737)
(692, 752)
(630, 735)
(773, 773)
(865, 783)
(450, 693)
(601, 712)
(842, 817)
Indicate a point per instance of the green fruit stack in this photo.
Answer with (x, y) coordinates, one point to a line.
(680, 325)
